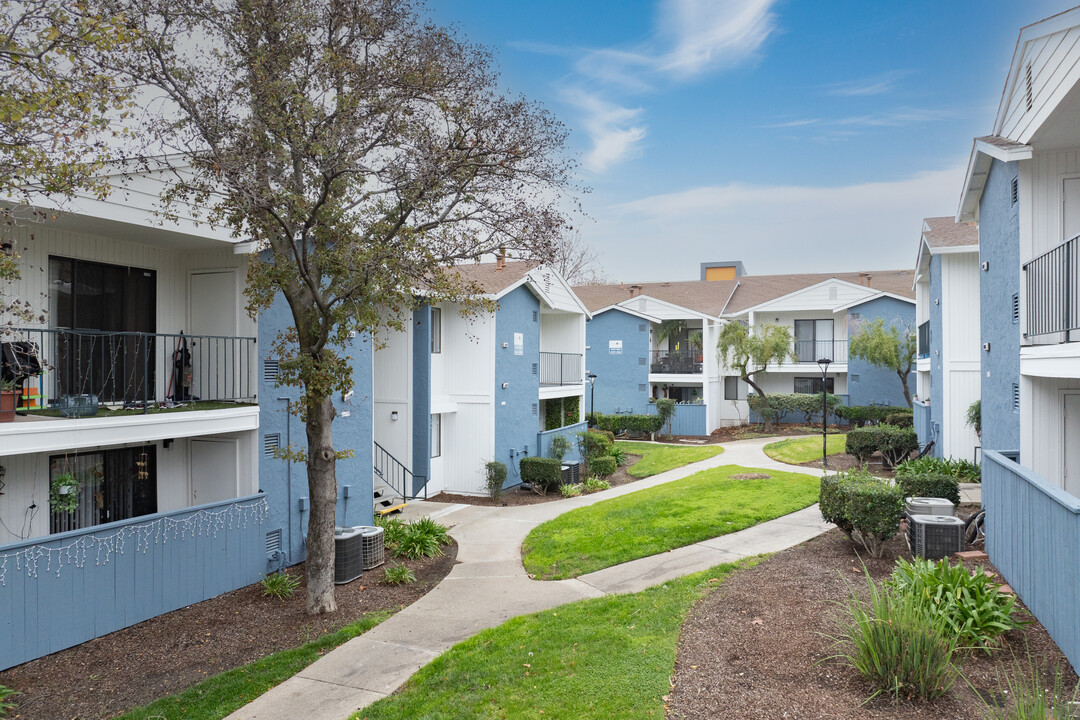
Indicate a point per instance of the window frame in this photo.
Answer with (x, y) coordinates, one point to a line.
(436, 331)
(815, 384)
(435, 436)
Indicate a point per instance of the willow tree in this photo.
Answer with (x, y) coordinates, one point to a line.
(365, 151)
(749, 352)
(887, 346)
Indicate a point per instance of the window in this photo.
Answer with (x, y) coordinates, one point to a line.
(812, 385)
(734, 388)
(116, 485)
(436, 330)
(436, 436)
(853, 378)
(813, 340)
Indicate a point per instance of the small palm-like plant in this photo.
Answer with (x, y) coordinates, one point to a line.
(279, 585)
(570, 490)
(398, 574)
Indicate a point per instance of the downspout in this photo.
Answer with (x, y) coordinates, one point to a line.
(288, 471)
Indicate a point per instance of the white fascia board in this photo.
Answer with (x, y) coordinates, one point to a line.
(1009, 154)
(796, 293)
(628, 311)
(881, 294)
(566, 286)
(974, 182)
(956, 250)
(688, 313)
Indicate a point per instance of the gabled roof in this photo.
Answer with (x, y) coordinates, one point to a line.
(945, 232)
(544, 282)
(755, 290)
(490, 279)
(700, 296)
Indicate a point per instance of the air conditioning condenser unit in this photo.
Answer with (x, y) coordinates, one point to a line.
(935, 536)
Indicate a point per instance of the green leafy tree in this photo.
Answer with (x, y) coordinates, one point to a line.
(887, 346)
(751, 352)
(56, 110)
(365, 151)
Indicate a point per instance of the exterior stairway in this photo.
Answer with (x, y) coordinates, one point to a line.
(393, 484)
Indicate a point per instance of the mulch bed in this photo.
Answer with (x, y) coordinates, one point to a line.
(746, 432)
(843, 462)
(520, 496)
(167, 654)
(752, 648)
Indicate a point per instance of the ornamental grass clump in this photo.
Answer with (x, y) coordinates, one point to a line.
(968, 602)
(1028, 696)
(279, 585)
(897, 644)
(398, 574)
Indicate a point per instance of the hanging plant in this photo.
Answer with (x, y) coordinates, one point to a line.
(64, 493)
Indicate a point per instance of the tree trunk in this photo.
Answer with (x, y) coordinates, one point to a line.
(761, 394)
(322, 488)
(907, 393)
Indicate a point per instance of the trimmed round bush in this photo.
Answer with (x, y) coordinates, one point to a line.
(603, 466)
(541, 472)
(895, 444)
(832, 498)
(900, 419)
(939, 486)
(874, 510)
(495, 476)
(594, 444)
(861, 443)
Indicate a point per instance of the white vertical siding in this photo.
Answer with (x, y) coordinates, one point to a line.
(392, 390)
(1042, 425)
(819, 296)
(468, 443)
(1053, 61)
(561, 332)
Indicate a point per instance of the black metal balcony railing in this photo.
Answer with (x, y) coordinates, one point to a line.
(676, 362)
(134, 368)
(1053, 297)
(561, 369)
(810, 351)
(924, 340)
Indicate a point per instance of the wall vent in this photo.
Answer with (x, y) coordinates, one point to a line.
(1027, 89)
(641, 327)
(534, 316)
(1015, 190)
(1016, 308)
(534, 368)
(1016, 397)
(273, 542)
(642, 387)
(271, 442)
(855, 316)
(641, 361)
(535, 409)
(270, 370)
(853, 378)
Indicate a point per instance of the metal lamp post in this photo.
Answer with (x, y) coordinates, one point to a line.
(592, 395)
(823, 363)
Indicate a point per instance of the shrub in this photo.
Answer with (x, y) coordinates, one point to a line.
(968, 602)
(939, 486)
(895, 444)
(6, 694)
(541, 473)
(602, 466)
(962, 470)
(393, 530)
(665, 409)
(874, 510)
(831, 499)
(619, 454)
(1029, 699)
(593, 444)
(900, 419)
(595, 484)
(806, 404)
(570, 490)
(973, 417)
(606, 433)
(897, 644)
(495, 477)
(397, 574)
(427, 526)
(417, 545)
(863, 415)
(560, 445)
(861, 443)
(279, 585)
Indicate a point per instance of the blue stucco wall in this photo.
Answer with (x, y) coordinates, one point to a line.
(421, 398)
(622, 381)
(283, 482)
(516, 426)
(999, 245)
(878, 385)
(937, 385)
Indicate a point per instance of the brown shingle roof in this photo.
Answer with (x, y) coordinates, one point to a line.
(939, 232)
(700, 296)
(490, 279)
(754, 290)
(1000, 142)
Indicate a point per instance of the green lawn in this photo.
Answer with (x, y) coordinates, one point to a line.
(661, 458)
(606, 657)
(706, 504)
(217, 697)
(796, 451)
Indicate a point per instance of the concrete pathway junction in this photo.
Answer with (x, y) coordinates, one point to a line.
(489, 585)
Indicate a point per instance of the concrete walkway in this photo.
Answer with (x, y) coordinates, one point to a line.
(488, 586)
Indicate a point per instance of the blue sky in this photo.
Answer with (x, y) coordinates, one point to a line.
(806, 135)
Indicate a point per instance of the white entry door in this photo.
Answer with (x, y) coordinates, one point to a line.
(216, 356)
(1072, 443)
(214, 470)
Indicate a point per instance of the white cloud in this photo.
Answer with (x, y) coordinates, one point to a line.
(875, 85)
(773, 229)
(706, 34)
(613, 130)
(900, 117)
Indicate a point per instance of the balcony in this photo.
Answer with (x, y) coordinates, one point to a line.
(1053, 297)
(808, 352)
(675, 362)
(560, 369)
(132, 369)
(924, 340)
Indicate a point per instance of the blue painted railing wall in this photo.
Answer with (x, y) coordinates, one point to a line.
(923, 426)
(689, 419)
(165, 561)
(1033, 538)
(570, 432)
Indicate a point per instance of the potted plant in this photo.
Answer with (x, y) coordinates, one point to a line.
(8, 401)
(64, 493)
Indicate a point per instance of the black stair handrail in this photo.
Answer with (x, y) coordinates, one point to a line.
(398, 477)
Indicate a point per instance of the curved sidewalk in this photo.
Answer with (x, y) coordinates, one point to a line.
(489, 585)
